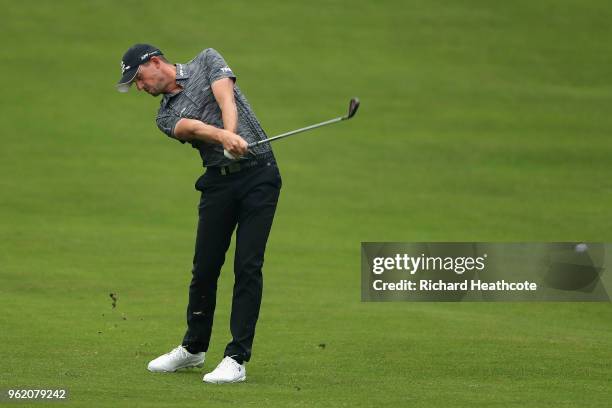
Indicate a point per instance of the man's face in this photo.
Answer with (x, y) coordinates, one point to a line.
(150, 78)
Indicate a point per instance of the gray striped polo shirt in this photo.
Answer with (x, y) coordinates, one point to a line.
(196, 101)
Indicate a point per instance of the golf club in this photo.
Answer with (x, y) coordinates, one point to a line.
(353, 106)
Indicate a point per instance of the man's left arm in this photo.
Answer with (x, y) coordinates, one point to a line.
(223, 90)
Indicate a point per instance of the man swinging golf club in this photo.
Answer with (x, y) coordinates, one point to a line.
(201, 105)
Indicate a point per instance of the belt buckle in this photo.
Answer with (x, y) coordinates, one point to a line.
(233, 168)
(230, 168)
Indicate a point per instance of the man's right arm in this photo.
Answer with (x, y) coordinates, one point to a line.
(192, 129)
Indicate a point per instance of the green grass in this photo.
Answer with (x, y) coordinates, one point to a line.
(480, 121)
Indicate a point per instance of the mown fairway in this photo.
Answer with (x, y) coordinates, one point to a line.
(480, 121)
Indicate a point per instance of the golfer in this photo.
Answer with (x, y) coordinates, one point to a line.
(202, 105)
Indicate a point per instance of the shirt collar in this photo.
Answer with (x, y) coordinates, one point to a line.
(182, 72)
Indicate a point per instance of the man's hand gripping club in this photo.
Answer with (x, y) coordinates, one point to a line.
(233, 145)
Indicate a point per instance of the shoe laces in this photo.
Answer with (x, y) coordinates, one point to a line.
(177, 351)
(230, 363)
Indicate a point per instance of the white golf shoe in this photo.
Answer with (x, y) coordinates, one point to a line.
(176, 359)
(228, 371)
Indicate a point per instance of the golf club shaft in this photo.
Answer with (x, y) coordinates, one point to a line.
(353, 106)
(293, 132)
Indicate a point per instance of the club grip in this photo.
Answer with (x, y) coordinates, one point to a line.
(229, 155)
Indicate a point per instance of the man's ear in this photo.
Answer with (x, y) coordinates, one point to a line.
(156, 61)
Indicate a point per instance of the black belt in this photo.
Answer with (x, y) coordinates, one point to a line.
(259, 160)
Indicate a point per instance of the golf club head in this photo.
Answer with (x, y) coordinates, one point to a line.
(353, 106)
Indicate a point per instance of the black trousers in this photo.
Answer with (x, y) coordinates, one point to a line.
(246, 199)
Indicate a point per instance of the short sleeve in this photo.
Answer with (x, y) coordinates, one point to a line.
(216, 66)
(166, 123)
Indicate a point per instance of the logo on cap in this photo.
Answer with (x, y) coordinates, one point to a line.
(149, 54)
(124, 67)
